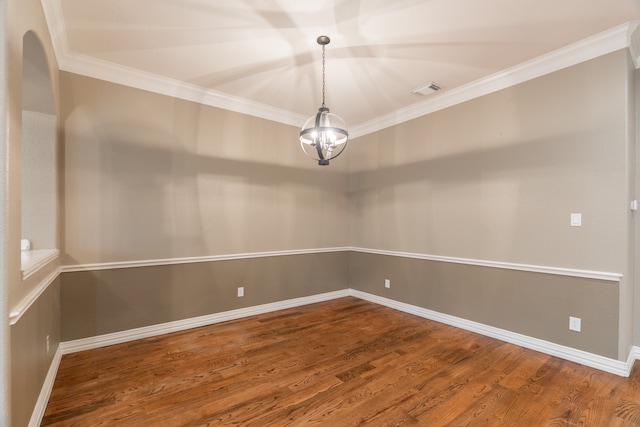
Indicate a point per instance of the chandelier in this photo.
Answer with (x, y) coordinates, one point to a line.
(324, 136)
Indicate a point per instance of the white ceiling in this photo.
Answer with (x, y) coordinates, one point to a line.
(260, 56)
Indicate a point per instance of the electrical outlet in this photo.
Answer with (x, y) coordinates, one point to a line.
(48, 343)
(240, 291)
(575, 324)
(387, 283)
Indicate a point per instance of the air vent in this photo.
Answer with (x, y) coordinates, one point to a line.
(426, 89)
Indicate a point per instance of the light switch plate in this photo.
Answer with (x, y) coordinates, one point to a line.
(576, 220)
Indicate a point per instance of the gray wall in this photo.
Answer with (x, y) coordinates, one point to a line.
(537, 305)
(496, 179)
(39, 183)
(149, 177)
(107, 301)
(30, 359)
(23, 357)
(152, 177)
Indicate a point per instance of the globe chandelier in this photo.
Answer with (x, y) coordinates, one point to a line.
(324, 136)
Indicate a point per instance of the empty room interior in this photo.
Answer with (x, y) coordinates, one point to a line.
(162, 174)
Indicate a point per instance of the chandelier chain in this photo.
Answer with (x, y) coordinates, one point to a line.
(323, 85)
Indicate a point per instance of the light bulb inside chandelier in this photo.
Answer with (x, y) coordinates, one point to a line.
(324, 136)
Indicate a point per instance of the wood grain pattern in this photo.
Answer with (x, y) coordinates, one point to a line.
(344, 362)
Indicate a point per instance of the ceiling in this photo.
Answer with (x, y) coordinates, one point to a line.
(260, 57)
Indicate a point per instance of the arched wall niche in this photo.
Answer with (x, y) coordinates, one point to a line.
(39, 164)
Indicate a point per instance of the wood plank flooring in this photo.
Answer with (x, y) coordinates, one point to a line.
(343, 362)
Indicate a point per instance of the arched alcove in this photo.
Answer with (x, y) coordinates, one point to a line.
(39, 178)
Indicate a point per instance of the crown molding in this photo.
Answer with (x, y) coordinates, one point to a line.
(104, 70)
(634, 43)
(608, 41)
(115, 73)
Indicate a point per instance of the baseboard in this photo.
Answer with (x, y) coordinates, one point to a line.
(634, 355)
(45, 391)
(181, 325)
(585, 358)
(602, 363)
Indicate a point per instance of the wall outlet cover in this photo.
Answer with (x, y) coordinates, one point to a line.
(575, 323)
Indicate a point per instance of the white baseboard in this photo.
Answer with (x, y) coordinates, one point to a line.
(585, 358)
(45, 391)
(606, 364)
(602, 363)
(181, 325)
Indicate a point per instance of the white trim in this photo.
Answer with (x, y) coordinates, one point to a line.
(634, 43)
(571, 272)
(634, 354)
(120, 74)
(32, 261)
(45, 391)
(579, 356)
(181, 325)
(55, 21)
(599, 362)
(589, 48)
(104, 70)
(31, 297)
(588, 274)
(600, 44)
(193, 260)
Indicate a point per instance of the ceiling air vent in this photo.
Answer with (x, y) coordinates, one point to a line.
(426, 89)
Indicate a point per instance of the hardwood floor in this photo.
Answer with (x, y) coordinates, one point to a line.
(338, 363)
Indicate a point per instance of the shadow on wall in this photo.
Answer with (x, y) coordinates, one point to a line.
(107, 301)
(560, 153)
(134, 192)
(510, 203)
